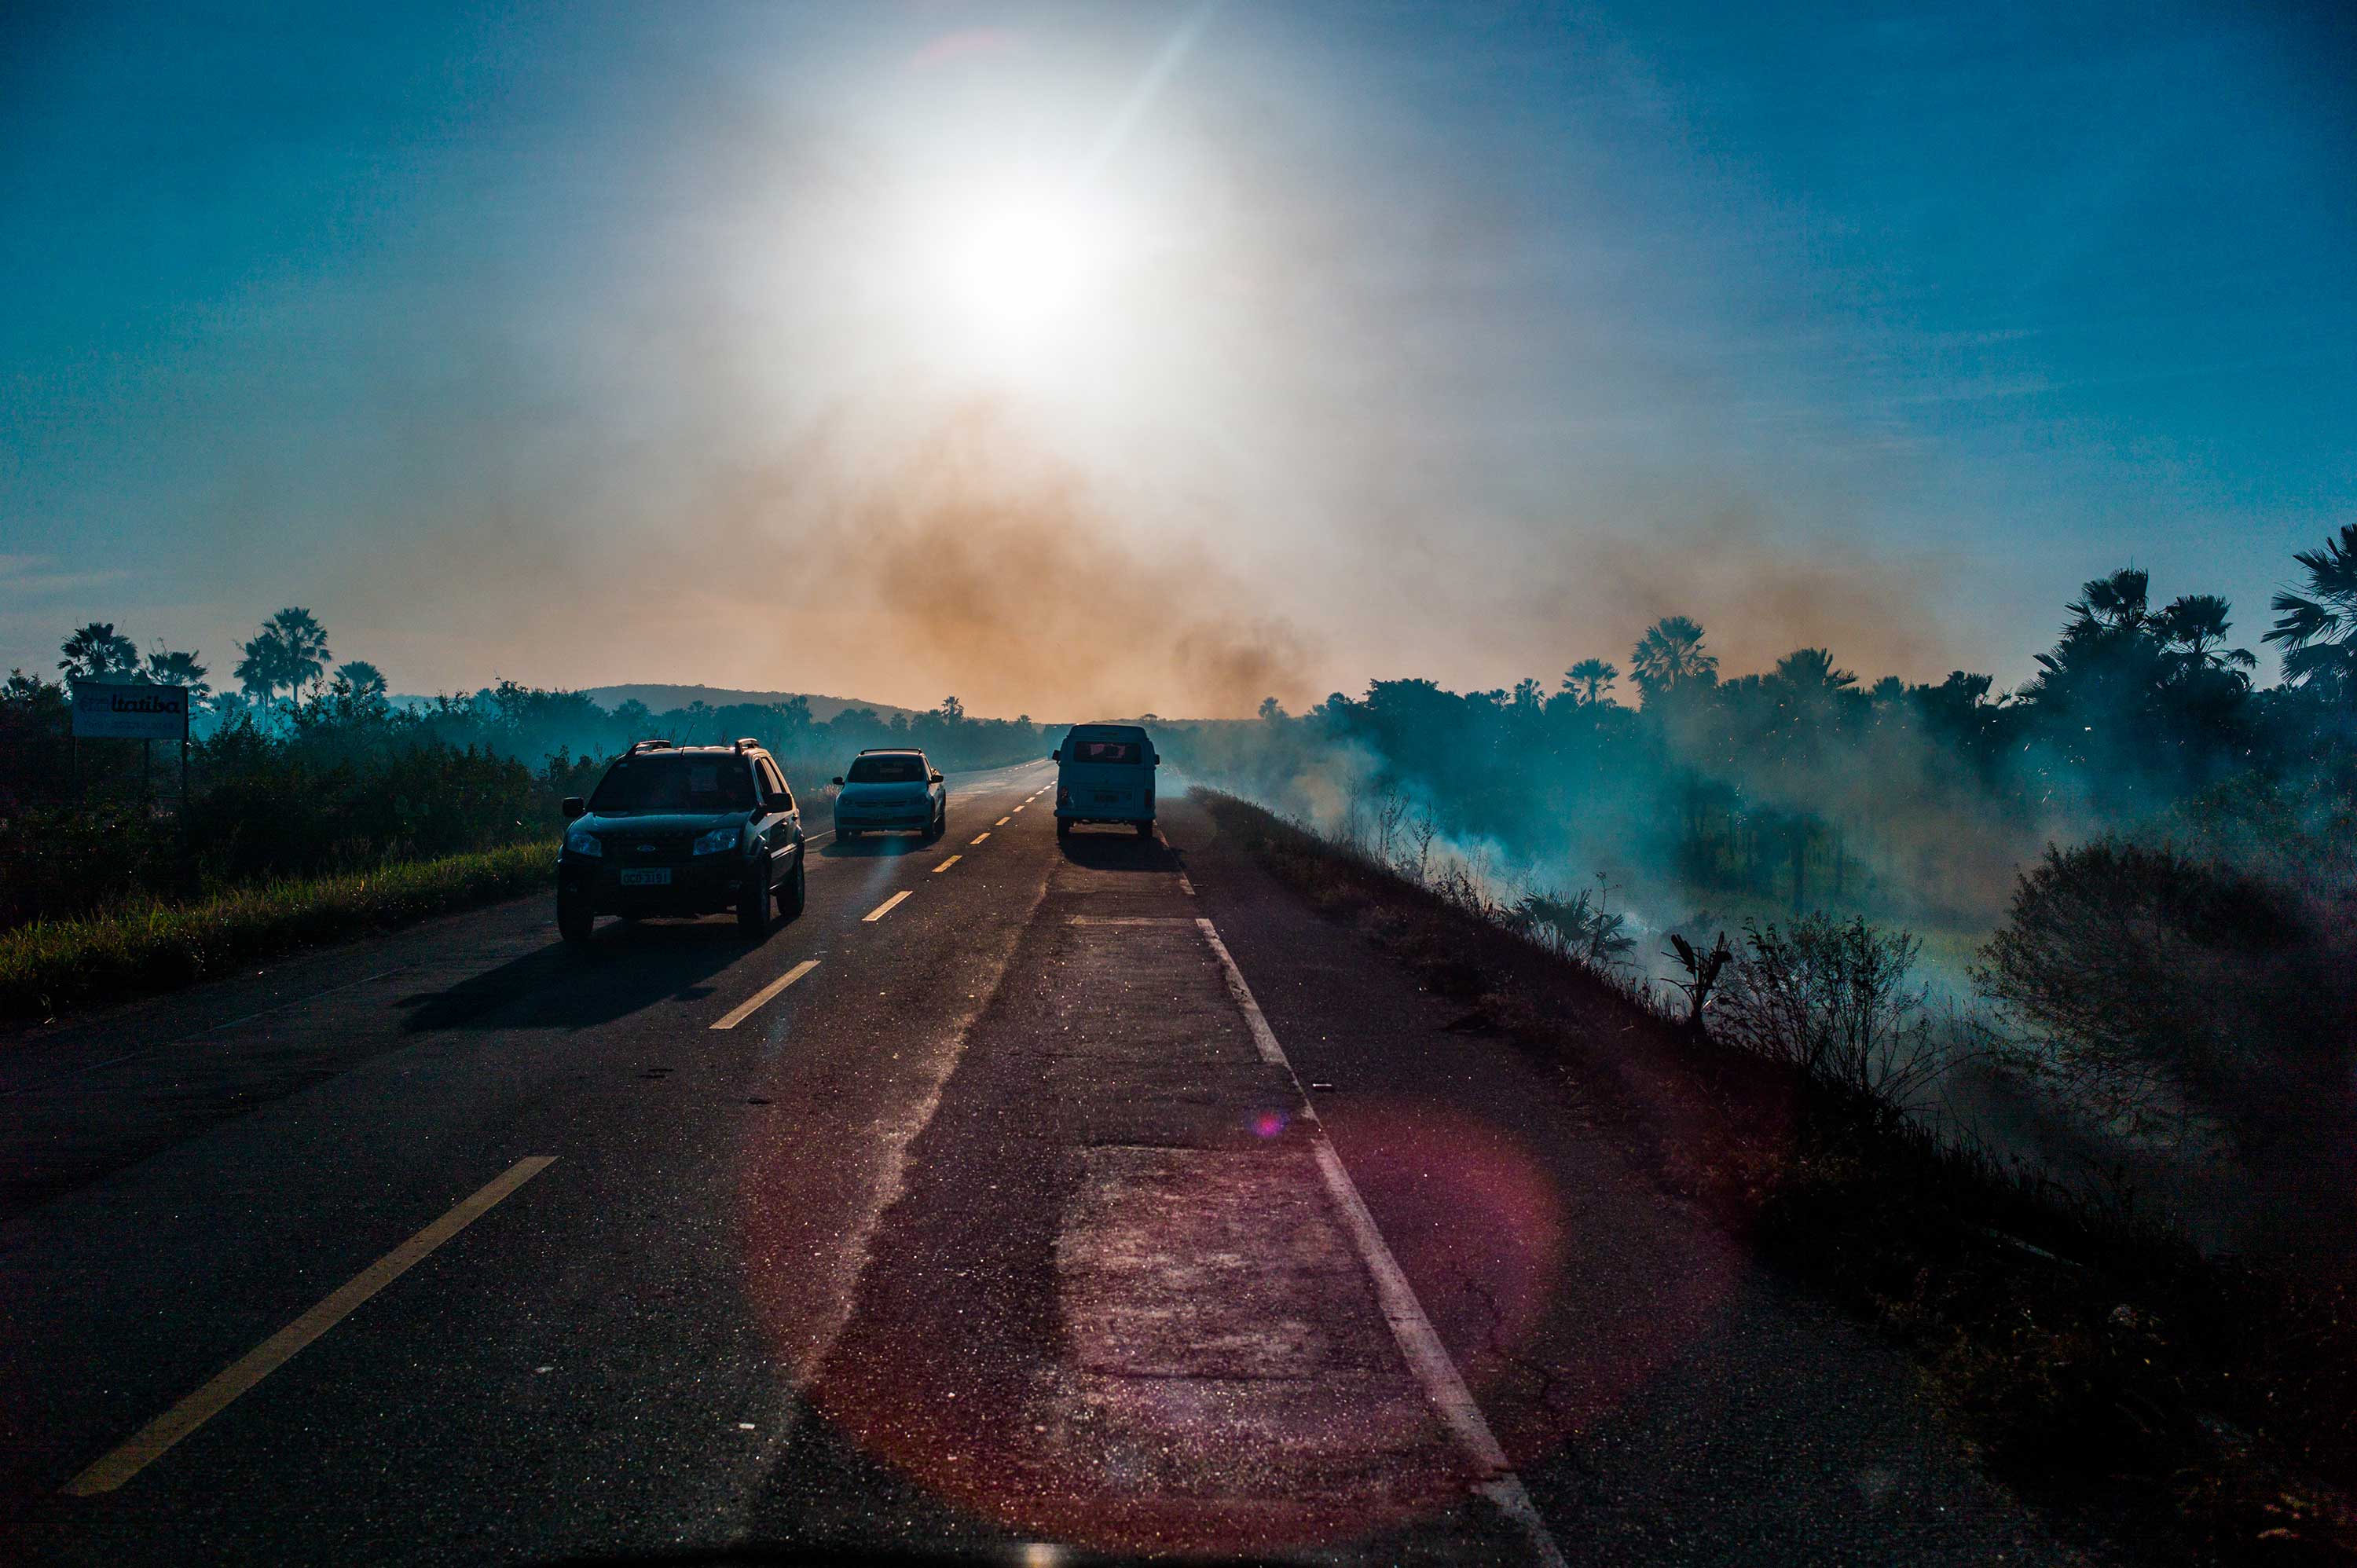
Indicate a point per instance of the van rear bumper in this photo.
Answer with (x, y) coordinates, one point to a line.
(1070, 808)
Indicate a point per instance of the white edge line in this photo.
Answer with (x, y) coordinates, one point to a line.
(884, 908)
(747, 1009)
(1427, 1355)
(1186, 886)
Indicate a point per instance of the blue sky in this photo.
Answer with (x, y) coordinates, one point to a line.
(681, 343)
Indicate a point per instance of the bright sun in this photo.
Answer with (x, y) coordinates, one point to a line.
(1015, 265)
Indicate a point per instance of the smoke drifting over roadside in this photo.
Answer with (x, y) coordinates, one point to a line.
(1761, 592)
(975, 564)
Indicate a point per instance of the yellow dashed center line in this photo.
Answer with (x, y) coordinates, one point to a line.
(977, 839)
(1003, 821)
(151, 1441)
(745, 1011)
(884, 908)
(947, 864)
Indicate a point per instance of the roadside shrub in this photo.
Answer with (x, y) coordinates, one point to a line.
(58, 859)
(1832, 999)
(2162, 994)
(1582, 926)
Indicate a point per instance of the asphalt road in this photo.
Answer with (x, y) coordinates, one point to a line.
(1095, 1193)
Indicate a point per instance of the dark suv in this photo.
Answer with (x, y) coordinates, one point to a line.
(682, 830)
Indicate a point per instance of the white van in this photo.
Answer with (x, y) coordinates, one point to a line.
(1104, 773)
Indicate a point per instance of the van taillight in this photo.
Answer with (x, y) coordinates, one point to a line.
(1063, 796)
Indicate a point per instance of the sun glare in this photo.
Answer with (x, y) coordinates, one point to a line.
(1013, 268)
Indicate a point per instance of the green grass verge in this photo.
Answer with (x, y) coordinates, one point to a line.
(141, 948)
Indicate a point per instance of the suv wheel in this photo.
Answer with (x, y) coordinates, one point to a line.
(753, 908)
(791, 896)
(575, 919)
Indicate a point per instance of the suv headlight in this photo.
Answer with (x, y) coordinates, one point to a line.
(719, 841)
(581, 840)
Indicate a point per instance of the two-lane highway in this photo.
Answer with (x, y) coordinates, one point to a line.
(1019, 1189)
(380, 1103)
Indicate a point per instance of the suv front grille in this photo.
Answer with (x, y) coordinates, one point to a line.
(648, 849)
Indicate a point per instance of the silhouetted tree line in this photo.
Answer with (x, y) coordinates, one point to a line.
(1803, 784)
(309, 766)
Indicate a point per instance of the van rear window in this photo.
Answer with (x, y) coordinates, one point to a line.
(1104, 751)
(901, 769)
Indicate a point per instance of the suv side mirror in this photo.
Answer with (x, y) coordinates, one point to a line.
(937, 775)
(573, 807)
(838, 779)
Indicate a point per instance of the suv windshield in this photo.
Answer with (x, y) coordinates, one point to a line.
(901, 769)
(675, 782)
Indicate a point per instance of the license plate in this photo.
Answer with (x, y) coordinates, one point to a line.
(658, 878)
(1108, 796)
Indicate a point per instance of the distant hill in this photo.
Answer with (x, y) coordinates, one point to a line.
(663, 699)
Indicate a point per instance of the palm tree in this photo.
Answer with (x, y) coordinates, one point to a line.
(289, 653)
(365, 681)
(1590, 680)
(1812, 670)
(166, 668)
(1669, 657)
(96, 651)
(2319, 629)
(2193, 626)
(2116, 602)
(263, 670)
(306, 646)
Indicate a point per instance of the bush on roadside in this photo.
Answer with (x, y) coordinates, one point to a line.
(1582, 926)
(2166, 995)
(1830, 999)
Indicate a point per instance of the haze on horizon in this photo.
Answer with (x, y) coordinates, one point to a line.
(1162, 356)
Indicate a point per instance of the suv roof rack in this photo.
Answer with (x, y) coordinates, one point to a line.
(638, 745)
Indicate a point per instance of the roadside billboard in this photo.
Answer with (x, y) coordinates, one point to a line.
(130, 711)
